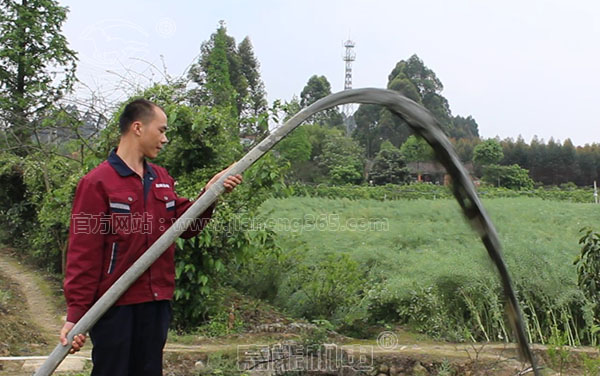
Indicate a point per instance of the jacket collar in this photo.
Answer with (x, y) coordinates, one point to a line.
(121, 167)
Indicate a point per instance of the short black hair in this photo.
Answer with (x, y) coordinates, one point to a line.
(137, 110)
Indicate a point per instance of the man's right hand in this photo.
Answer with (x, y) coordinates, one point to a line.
(78, 340)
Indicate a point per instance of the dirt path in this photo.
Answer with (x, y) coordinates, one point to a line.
(37, 305)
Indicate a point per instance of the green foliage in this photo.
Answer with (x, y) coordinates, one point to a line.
(316, 88)
(591, 365)
(296, 147)
(416, 81)
(249, 67)
(342, 160)
(464, 148)
(222, 364)
(553, 163)
(220, 325)
(207, 260)
(16, 212)
(367, 132)
(49, 239)
(327, 289)
(416, 149)
(588, 268)
(425, 268)
(389, 167)
(419, 83)
(487, 153)
(424, 311)
(318, 136)
(511, 177)
(416, 191)
(558, 354)
(217, 73)
(4, 300)
(36, 212)
(446, 369)
(314, 339)
(30, 43)
(228, 76)
(464, 128)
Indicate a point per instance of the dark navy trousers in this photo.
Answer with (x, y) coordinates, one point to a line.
(129, 340)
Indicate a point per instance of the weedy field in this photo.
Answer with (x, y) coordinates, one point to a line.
(418, 263)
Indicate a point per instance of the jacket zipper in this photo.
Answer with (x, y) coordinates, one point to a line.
(147, 245)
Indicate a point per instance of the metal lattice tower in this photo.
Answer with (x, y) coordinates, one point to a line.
(348, 109)
(349, 57)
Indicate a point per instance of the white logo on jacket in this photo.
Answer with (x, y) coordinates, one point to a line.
(162, 185)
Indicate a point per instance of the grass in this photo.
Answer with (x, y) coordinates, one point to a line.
(421, 255)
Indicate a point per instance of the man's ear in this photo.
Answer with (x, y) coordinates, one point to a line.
(136, 128)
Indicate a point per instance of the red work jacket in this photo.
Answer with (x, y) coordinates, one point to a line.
(116, 217)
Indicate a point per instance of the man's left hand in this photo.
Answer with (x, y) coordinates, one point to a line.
(230, 182)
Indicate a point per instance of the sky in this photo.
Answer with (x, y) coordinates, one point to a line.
(518, 67)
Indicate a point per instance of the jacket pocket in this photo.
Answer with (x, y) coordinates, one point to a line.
(123, 208)
(121, 202)
(113, 257)
(166, 199)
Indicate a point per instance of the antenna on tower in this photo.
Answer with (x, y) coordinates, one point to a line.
(348, 109)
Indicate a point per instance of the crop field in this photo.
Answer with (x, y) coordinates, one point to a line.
(418, 263)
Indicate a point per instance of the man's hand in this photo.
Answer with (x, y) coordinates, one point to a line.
(230, 182)
(78, 340)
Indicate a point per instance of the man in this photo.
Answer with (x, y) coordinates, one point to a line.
(120, 208)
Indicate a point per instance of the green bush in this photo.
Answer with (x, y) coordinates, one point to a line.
(511, 177)
(425, 191)
(36, 214)
(588, 267)
(325, 289)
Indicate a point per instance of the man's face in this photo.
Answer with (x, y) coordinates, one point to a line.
(153, 134)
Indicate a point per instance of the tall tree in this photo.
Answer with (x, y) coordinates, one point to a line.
(588, 160)
(218, 73)
(389, 166)
(37, 67)
(464, 127)
(515, 152)
(228, 75)
(416, 81)
(316, 88)
(256, 102)
(367, 131)
(342, 159)
(212, 73)
(489, 152)
(417, 150)
(464, 147)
